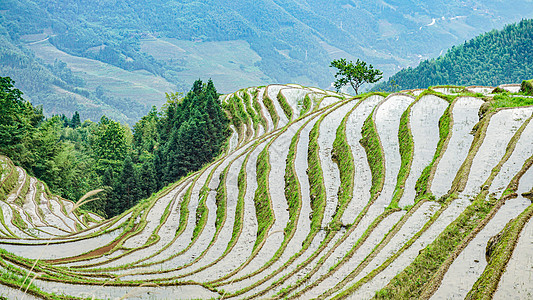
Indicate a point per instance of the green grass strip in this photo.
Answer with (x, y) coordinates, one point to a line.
(409, 283)
(306, 105)
(504, 100)
(405, 141)
(262, 201)
(220, 200)
(270, 107)
(445, 124)
(342, 155)
(285, 105)
(257, 107)
(249, 110)
(316, 181)
(233, 116)
(487, 283)
(374, 151)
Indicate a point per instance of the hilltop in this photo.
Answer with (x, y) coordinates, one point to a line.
(119, 57)
(417, 194)
(493, 58)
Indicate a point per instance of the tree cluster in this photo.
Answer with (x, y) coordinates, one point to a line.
(73, 157)
(494, 58)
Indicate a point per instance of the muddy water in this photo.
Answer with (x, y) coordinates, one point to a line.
(454, 209)
(272, 91)
(8, 217)
(503, 125)
(311, 264)
(266, 114)
(48, 216)
(481, 89)
(331, 175)
(55, 207)
(234, 140)
(326, 101)
(365, 249)
(417, 92)
(20, 184)
(464, 118)
(295, 98)
(408, 230)
(522, 152)
(232, 192)
(243, 247)
(206, 237)
(447, 90)
(513, 88)
(207, 234)
(184, 239)
(424, 123)
(278, 152)
(363, 175)
(29, 205)
(112, 292)
(516, 281)
(109, 225)
(152, 221)
(387, 119)
(303, 225)
(54, 251)
(470, 263)
(166, 232)
(11, 293)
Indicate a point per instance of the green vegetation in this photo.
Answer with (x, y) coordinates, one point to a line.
(405, 140)
(250, 111)
(270, 107)
(74, 157)
(527, 87)
(355, 74)
(317, 191)
(411, 281)
(493, 58)
(220, 200)
(306, 105)
(234, 117)
(292, 187)
(343, 157)
(421, 185)
(263, 209)
(285, 105)
(505, 100)
(372, 145)
(257, 107)
(501, 248)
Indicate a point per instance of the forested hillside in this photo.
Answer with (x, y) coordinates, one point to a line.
(493, 58)
(74, 157)
(119, 58)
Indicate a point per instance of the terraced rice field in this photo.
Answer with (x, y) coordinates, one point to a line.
(318, 195)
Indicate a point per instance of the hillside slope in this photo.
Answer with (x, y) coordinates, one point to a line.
(493, 58)
(108, 52)
(319, 195)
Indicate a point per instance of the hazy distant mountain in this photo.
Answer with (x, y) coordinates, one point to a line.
(120, 57)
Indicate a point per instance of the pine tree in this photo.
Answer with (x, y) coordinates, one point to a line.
(75, 122)
(127, 187)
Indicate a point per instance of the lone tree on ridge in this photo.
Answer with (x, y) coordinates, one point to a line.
(354, 73)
